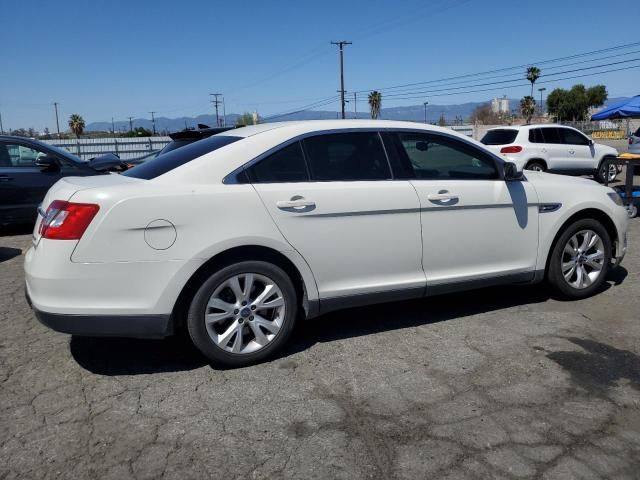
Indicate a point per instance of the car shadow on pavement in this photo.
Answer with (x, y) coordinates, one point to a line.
(7, 253)
(121, 356)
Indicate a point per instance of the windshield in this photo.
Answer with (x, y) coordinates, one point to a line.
(173, 159)
(499, 137)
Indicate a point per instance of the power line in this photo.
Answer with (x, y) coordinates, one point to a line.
(505, 69)
(325, 102)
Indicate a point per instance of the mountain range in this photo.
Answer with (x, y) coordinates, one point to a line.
(411, 113)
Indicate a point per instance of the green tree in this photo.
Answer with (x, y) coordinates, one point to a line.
(245, 119)
(533, 73)
(138, 132)
(527, 107)
(574, 104)
(76, 124)
(375, 102)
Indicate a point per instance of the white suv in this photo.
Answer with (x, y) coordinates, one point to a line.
(235, 237)
(553, 148)
(634, 142)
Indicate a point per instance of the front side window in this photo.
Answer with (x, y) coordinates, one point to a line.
(346, 156)
(572, 137)
(15, 155)
(285, 165)
(435, 157)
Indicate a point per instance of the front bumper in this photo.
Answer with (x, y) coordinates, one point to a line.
(136, 326)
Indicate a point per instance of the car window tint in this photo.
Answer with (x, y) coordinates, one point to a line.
(637, 134)
(347, 156)
(551, 135)
(572, 137)
(15, 155)
(499, 137)
(286, 165)
(175, 158)
(535, 136)
(438, 157)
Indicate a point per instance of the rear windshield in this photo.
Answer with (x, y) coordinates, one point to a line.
(173, 159)
(499, 137)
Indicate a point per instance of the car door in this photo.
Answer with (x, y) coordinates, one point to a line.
(556, 151)
(581, 152)
(475, 225)
(333, 197)
(23, 185)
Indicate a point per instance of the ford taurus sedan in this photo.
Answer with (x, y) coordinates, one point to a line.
(236, 237)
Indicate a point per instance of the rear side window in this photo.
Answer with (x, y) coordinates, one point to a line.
(499, 137)
(347, 156)
(535, 136)
(572, 137)
(551, 135)
(637, 134)
(286, 165)
(173, 159)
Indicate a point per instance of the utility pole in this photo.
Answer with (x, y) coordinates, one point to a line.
(216, 102)
(55, 105)
(130, 124)
(425, 111)
(541, 90)
(1, 127)
(341, 44)
(355, 105)
(113, 127)
(153, 122)
(224, 113)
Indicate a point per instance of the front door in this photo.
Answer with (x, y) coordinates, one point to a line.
(333, 198)
(475, 226)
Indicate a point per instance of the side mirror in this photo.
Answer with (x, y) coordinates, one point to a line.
(590, 143)
(511, 172)
(48, 162)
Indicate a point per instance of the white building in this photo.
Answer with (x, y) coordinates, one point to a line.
(500, 105)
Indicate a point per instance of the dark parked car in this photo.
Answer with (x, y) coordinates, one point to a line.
(180, 139)
(28, 168)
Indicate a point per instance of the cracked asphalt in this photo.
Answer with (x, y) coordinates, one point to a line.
(498, 383)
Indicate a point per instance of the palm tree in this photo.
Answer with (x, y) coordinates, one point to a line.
(375, 100)
(76, 124)
(533, 73)
(527, 107)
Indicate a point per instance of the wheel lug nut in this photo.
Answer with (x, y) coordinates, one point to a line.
(240, 321)
(235, 312)
(244, 303)
(251, 317)
(253, 307)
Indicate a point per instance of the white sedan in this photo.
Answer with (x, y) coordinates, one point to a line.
(237, 236)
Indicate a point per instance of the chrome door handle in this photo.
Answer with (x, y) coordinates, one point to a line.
(441, 197)
(572, 152)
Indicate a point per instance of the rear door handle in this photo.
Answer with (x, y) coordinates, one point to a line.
(441, 197)
(572, 152)
(296, 202)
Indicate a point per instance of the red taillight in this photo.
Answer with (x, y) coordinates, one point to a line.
(511, 149)
(67, 220)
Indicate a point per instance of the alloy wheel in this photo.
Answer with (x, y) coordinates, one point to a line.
(245, 313)
(582, 259)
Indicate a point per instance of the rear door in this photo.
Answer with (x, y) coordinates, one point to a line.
(334, 199)
(555, 149)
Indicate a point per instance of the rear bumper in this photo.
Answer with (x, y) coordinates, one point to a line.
(137, 326)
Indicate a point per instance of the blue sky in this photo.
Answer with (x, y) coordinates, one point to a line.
(120, 58)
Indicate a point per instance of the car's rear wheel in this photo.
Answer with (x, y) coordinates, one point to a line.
(242, 313)
(536, 166)
(607, 170)
(580, 259)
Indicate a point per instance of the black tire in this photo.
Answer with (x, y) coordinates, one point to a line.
(198, 306)
(536, 165)
(555, 276)
(601, 174)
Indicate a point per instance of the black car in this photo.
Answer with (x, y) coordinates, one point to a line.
(28, 168)
(180, 139)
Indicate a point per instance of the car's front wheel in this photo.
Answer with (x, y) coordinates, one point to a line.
(580, 259)
(242, 313)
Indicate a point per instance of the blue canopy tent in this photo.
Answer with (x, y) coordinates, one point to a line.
(627, 109)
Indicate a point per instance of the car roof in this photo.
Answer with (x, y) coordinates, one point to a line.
(527, 127)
